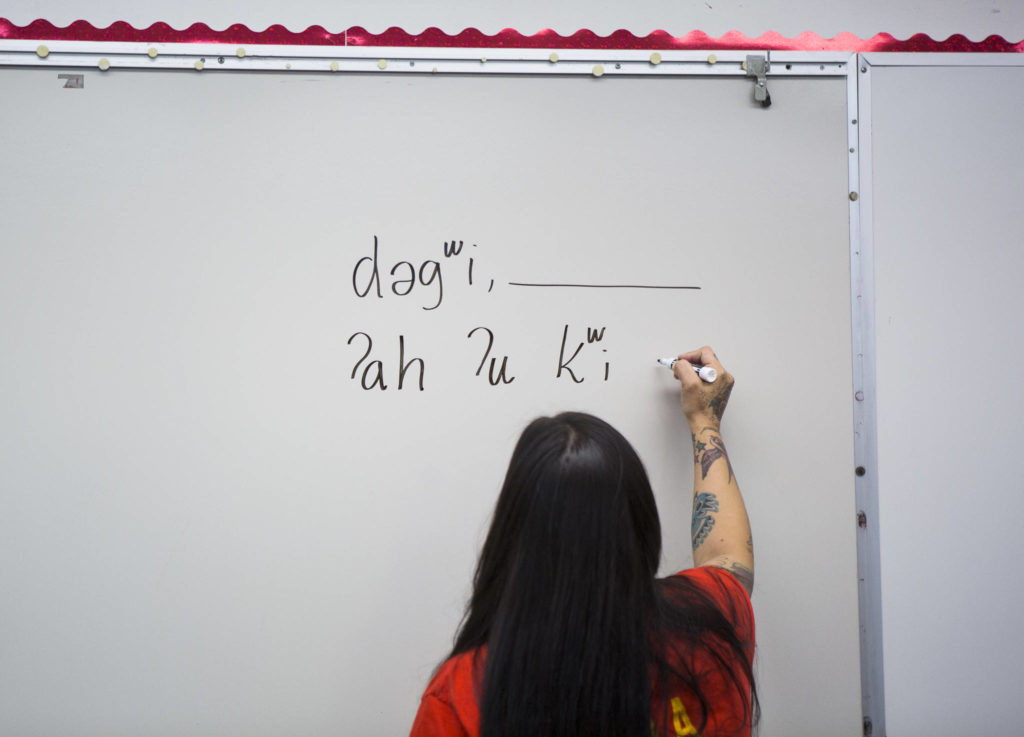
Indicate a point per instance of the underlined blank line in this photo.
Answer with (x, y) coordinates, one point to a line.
(599, 286)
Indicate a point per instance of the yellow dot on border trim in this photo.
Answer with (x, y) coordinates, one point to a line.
(334, 66)
(598, 70)
(382, 64)
(655, 58)
(42, 52)
(152, 53)
(199, 65)
(104, 64)
(552, 57)
(240, 52)
(712, 59)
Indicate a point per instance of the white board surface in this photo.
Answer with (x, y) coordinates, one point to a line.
(210, 528)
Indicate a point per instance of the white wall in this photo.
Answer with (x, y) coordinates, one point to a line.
(976, 19)
(948, 261)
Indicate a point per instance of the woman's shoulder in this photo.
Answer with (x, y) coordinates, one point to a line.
(449, 703)
(457, 674)
(714, 578)
(723, 589)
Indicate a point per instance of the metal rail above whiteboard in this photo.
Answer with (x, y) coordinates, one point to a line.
(230, 57)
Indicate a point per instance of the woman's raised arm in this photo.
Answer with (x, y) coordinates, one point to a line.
(719, 526)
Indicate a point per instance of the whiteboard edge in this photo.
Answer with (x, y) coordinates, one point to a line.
(865, 435)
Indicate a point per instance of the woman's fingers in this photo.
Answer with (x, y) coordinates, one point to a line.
(702, 357)
(683, 371)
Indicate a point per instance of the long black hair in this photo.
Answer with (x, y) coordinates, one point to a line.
(566, 601)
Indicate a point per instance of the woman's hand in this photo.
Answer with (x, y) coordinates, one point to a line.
(703, 403)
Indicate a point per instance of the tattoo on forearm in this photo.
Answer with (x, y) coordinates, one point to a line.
(707, 453)
(712, 454)
(702, 522)
(750, 543)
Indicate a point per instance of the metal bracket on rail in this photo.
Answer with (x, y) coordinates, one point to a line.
(758, 66)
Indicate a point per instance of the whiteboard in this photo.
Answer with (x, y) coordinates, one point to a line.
(947, 215)
(212, 528)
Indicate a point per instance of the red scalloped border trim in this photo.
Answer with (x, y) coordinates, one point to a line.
(81, 30)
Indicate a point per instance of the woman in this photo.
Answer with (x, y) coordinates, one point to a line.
(568, 632)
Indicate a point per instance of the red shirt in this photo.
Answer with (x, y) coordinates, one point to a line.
(449, 707)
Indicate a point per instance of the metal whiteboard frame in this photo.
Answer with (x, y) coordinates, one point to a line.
(71, 56)
(865, 414)
(391, 60)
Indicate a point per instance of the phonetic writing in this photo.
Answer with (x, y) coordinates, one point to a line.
(380, 369)
(393, 362)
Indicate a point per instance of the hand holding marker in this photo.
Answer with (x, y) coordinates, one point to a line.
(707, 373)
